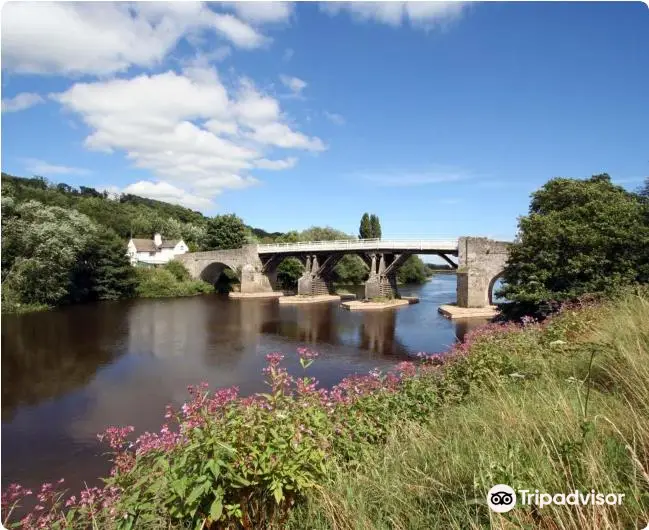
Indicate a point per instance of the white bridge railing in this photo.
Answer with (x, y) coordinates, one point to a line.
(444, 245)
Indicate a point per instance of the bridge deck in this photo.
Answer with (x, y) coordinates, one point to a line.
(419, 246)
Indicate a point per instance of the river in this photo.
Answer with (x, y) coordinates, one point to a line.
(68, 374)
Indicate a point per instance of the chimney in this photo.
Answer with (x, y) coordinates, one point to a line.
(157, 240)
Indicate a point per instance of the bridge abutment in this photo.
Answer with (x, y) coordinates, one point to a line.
(481, 262)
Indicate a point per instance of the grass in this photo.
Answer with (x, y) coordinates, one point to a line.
(19, 309)
(548, 426)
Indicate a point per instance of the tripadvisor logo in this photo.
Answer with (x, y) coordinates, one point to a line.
(502, 498)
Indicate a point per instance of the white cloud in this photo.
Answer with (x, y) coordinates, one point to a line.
(238, 32)
(281, 135)
(186, 128)
(163, 191)
(294, 84)
(40, 167)
(287, 163)
(262, 12)
(53, 37)
(419, 14)
(22, 101)
(334, 118)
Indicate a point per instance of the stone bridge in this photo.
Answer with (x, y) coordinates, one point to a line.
(480, 262)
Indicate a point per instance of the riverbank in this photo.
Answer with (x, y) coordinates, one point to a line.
(550, 406)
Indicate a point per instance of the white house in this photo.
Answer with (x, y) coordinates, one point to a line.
(156, 251)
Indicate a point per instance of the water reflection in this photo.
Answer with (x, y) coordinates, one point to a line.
(48, 354)
(378, 334)
(68, 374)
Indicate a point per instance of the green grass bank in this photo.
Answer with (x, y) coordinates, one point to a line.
(554, 408)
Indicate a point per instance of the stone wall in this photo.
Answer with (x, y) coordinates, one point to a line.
(480, 261)
(243, 261)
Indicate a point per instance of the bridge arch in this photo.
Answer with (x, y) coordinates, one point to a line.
(492, 286)
(212, 272)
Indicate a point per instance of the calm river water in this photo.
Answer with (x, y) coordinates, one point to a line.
(70, 373)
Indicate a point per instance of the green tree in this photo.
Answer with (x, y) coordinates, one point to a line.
(581, 236)
(319, 233)
(351, 270)
(225, 231)
(103, 271)
(365, 230)
(375, 227)
(414, 270)
(288, 273)
(43, 243)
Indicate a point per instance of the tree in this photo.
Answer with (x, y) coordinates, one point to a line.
(351, 270)
(365, 230)
(375, 227)
(225, 231)
(288, 273)
(103, 271)
(414, 270)
(581, 236)
(43, 243)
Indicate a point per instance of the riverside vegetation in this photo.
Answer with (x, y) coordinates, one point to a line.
(555, 406)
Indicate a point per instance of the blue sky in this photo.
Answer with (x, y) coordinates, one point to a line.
(440, 118)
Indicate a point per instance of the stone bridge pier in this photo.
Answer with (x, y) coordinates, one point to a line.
(317, 278)
(382, 281)
(481, 262)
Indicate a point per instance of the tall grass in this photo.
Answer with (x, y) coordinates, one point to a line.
(573, 413)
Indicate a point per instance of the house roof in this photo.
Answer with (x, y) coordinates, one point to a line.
(148, 245)
(144, 245)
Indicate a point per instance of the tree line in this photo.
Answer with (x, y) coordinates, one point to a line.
(65, 245)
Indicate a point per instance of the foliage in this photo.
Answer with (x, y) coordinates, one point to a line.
(370, 227)
(375, 226)
(158, 282)
(326, 233)
(225, 231)
(365, 230)
(351, 270)
(179, 270)
(581, 236)
(413, 271)
(40, 246)
(102, 271)
(288, 272)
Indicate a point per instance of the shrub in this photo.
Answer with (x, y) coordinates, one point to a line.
(178, 270)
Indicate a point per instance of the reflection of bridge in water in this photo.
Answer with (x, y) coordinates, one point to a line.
(480, 262)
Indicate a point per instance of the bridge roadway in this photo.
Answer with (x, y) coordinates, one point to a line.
(480, 261)
(393, 246)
